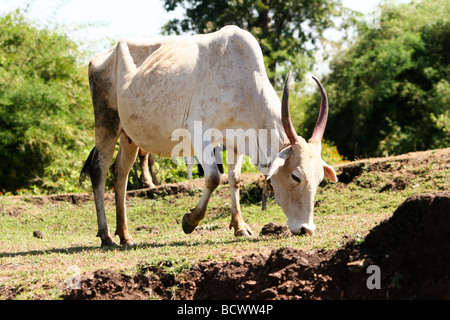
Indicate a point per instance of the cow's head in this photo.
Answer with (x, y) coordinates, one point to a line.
(298, 169)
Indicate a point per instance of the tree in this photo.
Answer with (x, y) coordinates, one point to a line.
(45, 109)
(389, 91)
(286, 30)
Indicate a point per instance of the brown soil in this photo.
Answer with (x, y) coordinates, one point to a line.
(411, 250)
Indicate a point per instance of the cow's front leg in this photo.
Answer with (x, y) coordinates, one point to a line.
(234, 179)
(122, 165)
(212, 181)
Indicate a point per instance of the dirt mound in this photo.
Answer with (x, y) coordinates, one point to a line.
(110, 285)
(405, 166)
(412, 248)
(410, 253)
(286, 273)
(274, 229)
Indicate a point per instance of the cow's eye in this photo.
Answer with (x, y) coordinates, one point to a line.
(296, 178)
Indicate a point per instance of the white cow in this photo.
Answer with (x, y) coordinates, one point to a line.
(144, 90)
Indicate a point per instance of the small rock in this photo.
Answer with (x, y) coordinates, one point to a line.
(250, 283)
(275, 275)
(303, 261)
(268, 293)
(148, 229)
(38, 234)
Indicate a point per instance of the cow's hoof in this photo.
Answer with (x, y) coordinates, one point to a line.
(244, 232)
(188, 227)
(148, 184)
(109, 243)
(128, 242)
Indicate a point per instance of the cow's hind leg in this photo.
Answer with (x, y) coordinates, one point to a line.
(234, 179)
(151, 166)
(122, 165)
(147, 162)
(97, 166)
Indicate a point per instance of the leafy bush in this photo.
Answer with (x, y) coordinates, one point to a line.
(46, 117)
(389, 91)
(330, 153)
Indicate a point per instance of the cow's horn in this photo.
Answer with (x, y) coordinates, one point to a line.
(321, 123)
(285, 115)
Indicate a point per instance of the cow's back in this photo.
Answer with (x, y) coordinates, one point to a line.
(159, 85)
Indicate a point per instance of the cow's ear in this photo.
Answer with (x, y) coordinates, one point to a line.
(329, 172)
(276, 164)
(279, 161)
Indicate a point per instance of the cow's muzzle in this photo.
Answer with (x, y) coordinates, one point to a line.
(305, 229)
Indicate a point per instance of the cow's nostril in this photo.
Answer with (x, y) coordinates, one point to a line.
(302, 231)
(307, 230)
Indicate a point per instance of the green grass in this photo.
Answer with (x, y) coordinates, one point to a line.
(41, 266)
(38, 268)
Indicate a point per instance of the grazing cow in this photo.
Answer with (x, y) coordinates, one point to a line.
(143, 90)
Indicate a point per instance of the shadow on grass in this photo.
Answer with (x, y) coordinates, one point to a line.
(141, 246)
(206, 242)
(71, 250)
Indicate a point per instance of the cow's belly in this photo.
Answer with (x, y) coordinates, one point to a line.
(151, 127)
(153, 105)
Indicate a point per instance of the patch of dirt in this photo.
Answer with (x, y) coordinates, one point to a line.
(406, 164)
(411, 250)
(110, 285)
(9, 293)
(11, 211)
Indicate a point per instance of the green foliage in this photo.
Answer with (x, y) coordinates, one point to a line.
(330, 153)
(45, 111)
(389, 91)
(286, 30)
(302, 105)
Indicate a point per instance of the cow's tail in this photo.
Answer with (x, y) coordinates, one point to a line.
(86, 167)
